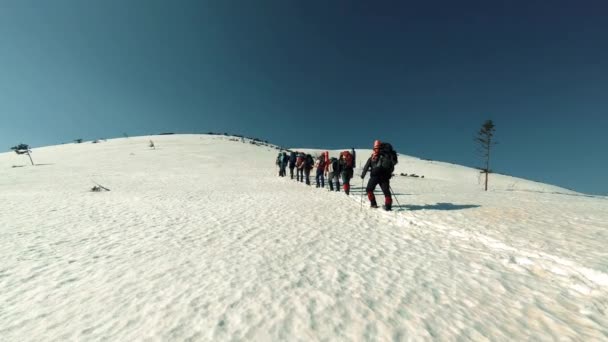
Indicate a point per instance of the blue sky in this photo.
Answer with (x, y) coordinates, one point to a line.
(326, 74)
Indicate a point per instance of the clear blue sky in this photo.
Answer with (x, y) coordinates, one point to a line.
(423, 75)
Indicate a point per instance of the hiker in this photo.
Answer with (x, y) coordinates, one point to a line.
(333, 172)
(283, 164)
(300, 167)
(278, 163)
(292, 163)
(309, 163)
(320, 168)
(346, 170)
(381, 165)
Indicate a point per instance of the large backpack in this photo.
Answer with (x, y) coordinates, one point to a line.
(300, 160)
(321, 161)
(348, 159)
(333, 165)
(309, 162)
(292, 158)
(387, 157)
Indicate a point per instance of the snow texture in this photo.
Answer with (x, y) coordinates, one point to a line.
(200, 240)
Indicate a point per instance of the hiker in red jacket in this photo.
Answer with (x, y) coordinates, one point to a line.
(346, 169)
(300, 167)
(320, 169)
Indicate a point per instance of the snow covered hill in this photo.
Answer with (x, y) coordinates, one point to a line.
(199, 240)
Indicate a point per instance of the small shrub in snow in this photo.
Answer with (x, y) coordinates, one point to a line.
(99, 188)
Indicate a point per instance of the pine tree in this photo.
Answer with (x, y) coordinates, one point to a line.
(484, 138)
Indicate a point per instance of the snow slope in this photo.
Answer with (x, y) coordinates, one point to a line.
(200, 240)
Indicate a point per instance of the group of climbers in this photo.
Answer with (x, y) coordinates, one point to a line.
(380, 165)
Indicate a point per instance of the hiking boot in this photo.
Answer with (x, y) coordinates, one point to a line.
(374, 206)
(387, 207)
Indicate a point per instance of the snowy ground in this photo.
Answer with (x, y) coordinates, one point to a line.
(200, 240)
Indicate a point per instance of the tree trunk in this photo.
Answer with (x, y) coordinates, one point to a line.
(28, 154)
(486, 180)
(488, 162)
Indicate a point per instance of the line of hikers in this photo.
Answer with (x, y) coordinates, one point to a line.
(380, 164)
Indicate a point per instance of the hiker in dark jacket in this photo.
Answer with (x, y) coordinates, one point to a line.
(377, 176)
(333, 172)
(308, 165)
(278, 162)
(284, 159)
(292, 163)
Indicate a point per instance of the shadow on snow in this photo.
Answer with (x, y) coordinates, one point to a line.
(438, 206)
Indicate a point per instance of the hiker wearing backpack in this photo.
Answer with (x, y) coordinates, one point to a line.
(381, 165)
(320, 168)
(278, 163)
(300, 167)
(292, 163)
(346, 169)
(309, 163)
(333, 172)
(283, 164)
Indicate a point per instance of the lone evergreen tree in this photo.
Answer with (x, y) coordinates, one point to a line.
(23, 149)
(484, 138)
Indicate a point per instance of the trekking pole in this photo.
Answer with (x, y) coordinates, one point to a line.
(391, 189)
(361, 209)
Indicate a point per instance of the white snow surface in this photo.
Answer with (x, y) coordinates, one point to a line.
(200, 240)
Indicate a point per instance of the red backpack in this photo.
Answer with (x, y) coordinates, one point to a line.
(348, 158)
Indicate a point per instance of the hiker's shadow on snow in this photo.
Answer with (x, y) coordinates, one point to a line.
(438, 206)
(377, 193)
